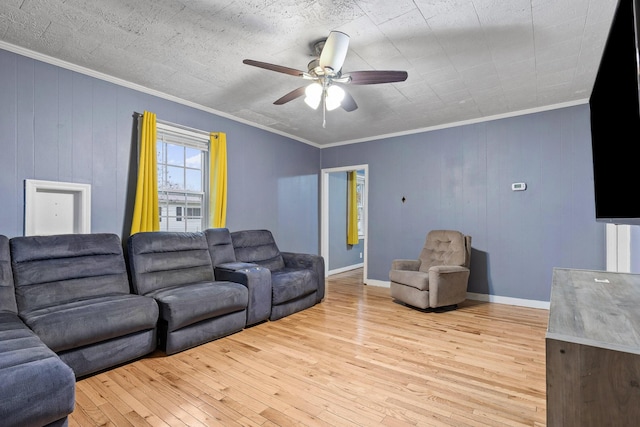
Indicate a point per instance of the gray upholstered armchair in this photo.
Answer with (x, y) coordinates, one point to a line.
(440, 276)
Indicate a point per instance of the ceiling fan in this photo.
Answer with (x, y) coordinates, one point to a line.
(326, 73)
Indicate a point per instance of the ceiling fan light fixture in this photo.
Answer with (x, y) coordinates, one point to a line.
(335, 95)
(313, 95)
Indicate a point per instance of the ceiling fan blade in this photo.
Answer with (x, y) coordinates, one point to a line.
(371, 77)
(348, 103)
(296, 93)
(334, 51)
(273, 67)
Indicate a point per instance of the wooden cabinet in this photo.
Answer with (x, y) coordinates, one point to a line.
(593, 349)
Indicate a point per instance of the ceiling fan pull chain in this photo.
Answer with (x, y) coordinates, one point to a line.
(324, 109)
(324, 103)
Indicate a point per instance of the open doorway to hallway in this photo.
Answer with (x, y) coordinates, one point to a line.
(350, 277)
(339, 254)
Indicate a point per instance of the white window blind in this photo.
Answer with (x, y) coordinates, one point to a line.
(192, 138)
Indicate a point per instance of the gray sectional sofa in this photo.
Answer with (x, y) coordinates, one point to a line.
(71, 305)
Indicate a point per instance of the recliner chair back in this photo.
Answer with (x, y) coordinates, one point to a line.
(50, 270)
(258, 247)
(160, 259)
(445, 247)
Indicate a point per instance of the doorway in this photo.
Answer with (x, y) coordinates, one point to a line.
(327, 241)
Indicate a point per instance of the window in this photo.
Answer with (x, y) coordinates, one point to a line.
(182, 157)
(193, 212)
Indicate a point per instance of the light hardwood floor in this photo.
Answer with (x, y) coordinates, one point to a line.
(356, 359)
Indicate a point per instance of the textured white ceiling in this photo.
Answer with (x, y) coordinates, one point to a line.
(466, 59)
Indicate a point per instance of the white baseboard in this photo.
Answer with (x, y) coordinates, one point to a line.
(481, 297)
(380, 283)
(509, 300)
(343, 269)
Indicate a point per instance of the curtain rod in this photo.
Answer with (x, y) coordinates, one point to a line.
(203, 132)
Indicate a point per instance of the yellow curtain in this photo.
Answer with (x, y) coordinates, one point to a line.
(145, 211)
(218, 179)
(352, 209)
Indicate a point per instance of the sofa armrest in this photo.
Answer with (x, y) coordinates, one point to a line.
(448, 269)
(405, 264)
(258, 282)
(235, 266)
(447, 285)
(310, 262)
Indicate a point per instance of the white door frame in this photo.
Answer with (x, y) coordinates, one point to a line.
(618, 240)
(324, 226)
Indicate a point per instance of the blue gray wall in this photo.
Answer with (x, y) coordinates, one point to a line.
(341, 255)
(460, 178)
(60, 125)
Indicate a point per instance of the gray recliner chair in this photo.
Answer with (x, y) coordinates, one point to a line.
(440, 276)
(73, 291)
(297, 280)
(175, 269)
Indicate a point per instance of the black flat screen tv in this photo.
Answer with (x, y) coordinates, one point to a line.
(615, 121)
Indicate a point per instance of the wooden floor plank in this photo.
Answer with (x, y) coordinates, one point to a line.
(356, 359)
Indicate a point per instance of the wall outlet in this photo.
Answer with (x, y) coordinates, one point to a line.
(360, 255)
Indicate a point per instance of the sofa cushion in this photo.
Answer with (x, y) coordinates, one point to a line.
(52, 270)
(168, 259)
(7, 292)
(181, 306)
(37, 387)
(88, 321)
(288, 284)
(259, 247)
